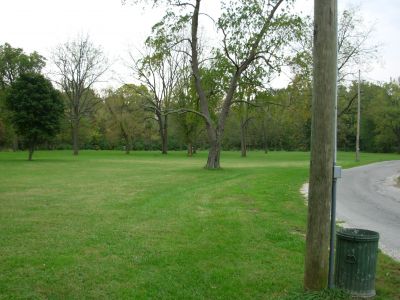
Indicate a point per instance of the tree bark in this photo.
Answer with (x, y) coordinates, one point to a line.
(322, 145)
(243, 142)
(215, 135)
(128, 143)
(75, 137)
(214, 155)
(190, 149)
(31, 149)
(215, 132)
(164, 135)
(265, 138)
(214, 151)
(163, 130)
(128, 146)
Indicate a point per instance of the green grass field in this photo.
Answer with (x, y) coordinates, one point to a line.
(146, 226)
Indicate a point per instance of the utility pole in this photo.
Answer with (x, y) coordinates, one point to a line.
(322, 144)
(358, 118)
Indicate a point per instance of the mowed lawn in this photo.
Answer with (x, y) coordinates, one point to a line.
(106, 225)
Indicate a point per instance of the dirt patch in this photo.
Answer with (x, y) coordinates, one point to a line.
(398, 182)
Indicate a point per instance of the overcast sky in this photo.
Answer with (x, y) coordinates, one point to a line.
(41, 25)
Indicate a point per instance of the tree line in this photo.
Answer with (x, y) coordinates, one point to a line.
(191, 95)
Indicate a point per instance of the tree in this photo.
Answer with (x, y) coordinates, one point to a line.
(387, 118)
(355, 52)
(251, 31)
(126, 108)
(246, 40)
(13, 63)
(244, 101)
(189, 124)
(243, 108)
(79, 65)
(36, 109)
(355, 48)
(160, 71)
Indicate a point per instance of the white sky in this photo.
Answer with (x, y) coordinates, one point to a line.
(40, 25)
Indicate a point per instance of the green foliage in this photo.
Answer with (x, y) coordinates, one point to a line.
(380, 114)
(6, 129)
(387, 116)
(189, 123)
(279, 118)
(245, 22)
(14, 62)
(36, 108)
(126, 108)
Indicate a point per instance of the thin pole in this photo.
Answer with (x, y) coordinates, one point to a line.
(331, 271)
(358, 118)
(331, 283)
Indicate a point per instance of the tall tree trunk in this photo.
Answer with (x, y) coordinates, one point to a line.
(322, 144)
(163, 130)
(194, 147)
(125, 135)
(190, 149)
(75, 137)
(128, 146)
(265, 137)
(214, 151)
(216, 137)
(164, 135)
(164, 144)
(214, 155)
(31, 149)
(243, 146)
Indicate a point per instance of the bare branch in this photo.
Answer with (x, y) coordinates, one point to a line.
(247, 102)
(187, 110)
(344, 110)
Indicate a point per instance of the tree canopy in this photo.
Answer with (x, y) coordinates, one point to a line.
(252, 33)
(36, 108)
(79, 64)
(14, 62)
(208, 85)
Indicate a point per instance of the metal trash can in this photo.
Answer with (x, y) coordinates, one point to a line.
(355, 265)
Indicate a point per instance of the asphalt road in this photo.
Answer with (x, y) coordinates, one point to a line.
(367, 198)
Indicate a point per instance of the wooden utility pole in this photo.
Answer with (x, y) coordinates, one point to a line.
(358, 118)
(322, 144)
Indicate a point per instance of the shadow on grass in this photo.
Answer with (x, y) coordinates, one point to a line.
(37, 160)
(327, 294)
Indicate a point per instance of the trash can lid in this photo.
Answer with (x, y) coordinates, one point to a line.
(356, 234)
